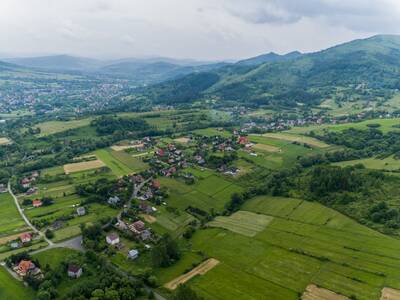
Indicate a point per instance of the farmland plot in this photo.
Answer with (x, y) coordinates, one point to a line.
(83, 166)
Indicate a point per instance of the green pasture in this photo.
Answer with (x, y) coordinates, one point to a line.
(386, 164)
(10, 219)
(51, 127)
(12, 289)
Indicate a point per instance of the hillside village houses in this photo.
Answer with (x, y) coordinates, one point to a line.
(112, 239)
(27, 267)
(133, 254)
(27, 181)
(113, 200)
(25, 238)
(81, 211)
(74, 271)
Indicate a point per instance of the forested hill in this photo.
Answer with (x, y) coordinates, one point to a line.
(366, 69)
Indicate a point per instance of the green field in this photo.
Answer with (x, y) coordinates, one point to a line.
(10, 220)
(297, 138)
(386, 164)
(304, 243)
(386, 126)
(210, 192)
(51, 127)
(12, 289)
(120, 162)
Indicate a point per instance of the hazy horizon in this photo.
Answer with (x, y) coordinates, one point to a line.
(202, 30)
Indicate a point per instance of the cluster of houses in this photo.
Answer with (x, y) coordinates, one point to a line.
(170, 160)
(23, 239)
(27, 181)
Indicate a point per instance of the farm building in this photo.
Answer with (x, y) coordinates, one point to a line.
(74, 271)
(112, 239)
(133, 254)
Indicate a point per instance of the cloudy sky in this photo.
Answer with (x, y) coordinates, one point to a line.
(200, 29)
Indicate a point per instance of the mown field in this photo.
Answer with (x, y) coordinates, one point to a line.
(304, 243)
(12, 289)
(51, 127)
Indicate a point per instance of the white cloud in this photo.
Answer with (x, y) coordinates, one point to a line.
(204, 29)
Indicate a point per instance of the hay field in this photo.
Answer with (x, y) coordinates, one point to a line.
(297, 138)
(83, 166)
(390, 294)
(243, 222)
(201, 269)
(148, 218)
(313, 292)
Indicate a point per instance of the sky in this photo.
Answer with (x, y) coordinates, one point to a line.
(198, 29)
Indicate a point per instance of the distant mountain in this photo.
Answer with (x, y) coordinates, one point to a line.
(365, 69)
(57, 63)
(269, 57)
(138, 70)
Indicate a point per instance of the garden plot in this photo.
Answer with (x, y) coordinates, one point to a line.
(83, 166)
(313, 292)
(243, 222)
(201, 269)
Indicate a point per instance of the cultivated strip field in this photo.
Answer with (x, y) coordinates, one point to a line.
(182, 140)
(201, 269)
(148, 218)
(267, 148)
(124, 147)
(297, 138)
(83, 166)
(314, 292)
(243, 222)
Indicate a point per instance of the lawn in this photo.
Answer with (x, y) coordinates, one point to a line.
(305, 243)
(213, 132)
(12, 289)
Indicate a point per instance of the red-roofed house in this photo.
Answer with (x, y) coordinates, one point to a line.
(137, 227)
(37, 203)
(24, 266)
(156, 184)
(25, 237)
(243, 140)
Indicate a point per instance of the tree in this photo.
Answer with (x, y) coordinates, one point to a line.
(184, 292)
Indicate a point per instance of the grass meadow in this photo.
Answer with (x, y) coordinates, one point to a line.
(12, 289)
(304, 243)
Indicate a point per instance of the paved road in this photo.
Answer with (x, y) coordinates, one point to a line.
(74, 243)
(21, 212)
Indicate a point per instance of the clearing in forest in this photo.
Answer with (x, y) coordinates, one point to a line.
(314, 292)
(4, 141)
(83, 166)
(201, 269)
(390, 294)
(267, 148)
(243, 222)
(297, 138)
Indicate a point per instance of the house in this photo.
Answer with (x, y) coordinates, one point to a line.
(31, 191)
(156, 184)
(145, 235)
(145, 208)
(137, 227)
(37, 203)
(26, 182)
(74, 271)
(3, 188)
(24, 267)
(160, 152)
(113, 200)
(15, 245)
(112, 239)
(81, 211)
(242, 140)
(25, 237)
(133, 254)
